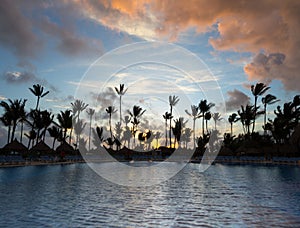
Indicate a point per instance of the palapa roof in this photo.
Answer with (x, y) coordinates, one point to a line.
(14, 146)
(41, 147)
(65, 147)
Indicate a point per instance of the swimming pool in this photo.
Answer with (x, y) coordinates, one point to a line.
(224, 195)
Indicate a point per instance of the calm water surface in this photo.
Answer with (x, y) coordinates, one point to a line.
(75, 196)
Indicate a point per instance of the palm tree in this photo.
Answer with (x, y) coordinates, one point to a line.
(78, 129)
(7, 122)
(195, 115)
(90, 113)
(77, 107)
(47, 120)
(157, 136)
(111, 110)
(167, 116)
(13, 109)
(216, 117)
(186, 136)
(177, 131)
(204, 107)
(268, 100)
(121, 91)
(136, 113)
(232, 119)
(247, 116)
(173, 100)
(65, 119)
(22, 120)
(207, 117)
(257, 90)
(38, 91)
(55, 133)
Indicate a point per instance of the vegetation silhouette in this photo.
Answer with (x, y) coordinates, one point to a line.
(36, 124)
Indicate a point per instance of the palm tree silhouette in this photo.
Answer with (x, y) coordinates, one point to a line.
(78, 129)
(38, 91)
(55, 133)
(232, 119)
(268, 100)
(65, 119)
(13, 112)
(110, 110)
(173, 100)
(7, 122)
(195, 115)
(204, 107)
(90, 113)
(167, 116)
(216, 117)
(121, 91)
(136, 113)
(257, 90)
(248, 115)
(207, 117)
(77, 107)
(186, 136)
(47, 120)
(177, 131)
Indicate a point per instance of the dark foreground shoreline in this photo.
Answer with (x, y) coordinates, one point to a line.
(226, 160)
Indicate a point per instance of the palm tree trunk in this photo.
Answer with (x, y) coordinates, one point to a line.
(194, 126)
(121, 110)
(21, 136)
(90, 132)
(255, 102)
(53, 144)
(170, 129)
(111, 135)
(166, 126)
(37, 103)
(231, 129)
(71, 132)
(8, 133)
(203, 124)
(13, 131)
(265, 118)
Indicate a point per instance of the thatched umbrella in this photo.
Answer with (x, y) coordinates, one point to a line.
(14, 146)
(41, 149)
(65, 148)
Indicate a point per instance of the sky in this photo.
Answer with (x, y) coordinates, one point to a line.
(81, 49)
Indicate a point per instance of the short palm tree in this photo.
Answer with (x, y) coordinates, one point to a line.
(121, 91)
(167, 116)
(38, 91)
(111, 110)
(173, 100)
(77, 107)
(257, 90)
(204, 107)
(7, 122)
(90, 113)
(55, 133)
(268, 100)
(232, 119)
(195, 115)
(136, 113)
(65, 119)
(216, 117)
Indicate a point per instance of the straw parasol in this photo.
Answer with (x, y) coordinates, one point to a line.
(41, 148)
(14, 146)
(65, 148)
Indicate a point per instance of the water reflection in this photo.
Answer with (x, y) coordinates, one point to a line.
(74, 195)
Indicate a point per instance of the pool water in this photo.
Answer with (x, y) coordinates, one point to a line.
(224, 195)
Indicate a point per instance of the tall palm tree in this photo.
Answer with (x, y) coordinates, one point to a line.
(47, 120)
(13, 108)
(111, 110)
(248, 115)
(195, 115)
(173, 100)
(38, 91)
(167, 116)
(204, 107)
(216, 117)
(22, 120)
(65, 122)
(268, 100)
(90, 113)
(257, 90)
(121, 91)
(136, 113)
(232, 119)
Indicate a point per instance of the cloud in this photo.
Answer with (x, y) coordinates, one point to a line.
(236, 99)
(268, 27)
(17, 77)
(2, 98)
(16, 31)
